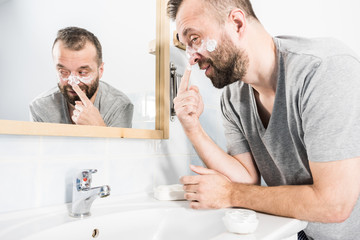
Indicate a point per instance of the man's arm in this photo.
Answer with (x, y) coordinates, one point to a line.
(330, 198)
(239, 168)
(189, 106)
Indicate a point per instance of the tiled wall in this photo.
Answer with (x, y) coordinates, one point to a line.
(36, 171)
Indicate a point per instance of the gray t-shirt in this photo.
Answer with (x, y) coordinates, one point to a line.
(315, 118)
(114, 106)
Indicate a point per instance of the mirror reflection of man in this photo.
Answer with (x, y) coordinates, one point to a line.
(81, 98)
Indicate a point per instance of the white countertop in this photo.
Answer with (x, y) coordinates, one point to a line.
(109, 213)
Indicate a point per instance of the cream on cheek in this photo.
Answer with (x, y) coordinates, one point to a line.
(86, 80)
(211, 45)
(73, 79)
(208, 45)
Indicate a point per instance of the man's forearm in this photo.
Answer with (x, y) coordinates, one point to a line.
(215, 158)
(296, 201)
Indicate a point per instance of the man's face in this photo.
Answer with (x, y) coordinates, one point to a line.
(88, 89)
(227, 63)
(79, 67)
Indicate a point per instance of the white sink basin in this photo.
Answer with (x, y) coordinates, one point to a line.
(139, 218)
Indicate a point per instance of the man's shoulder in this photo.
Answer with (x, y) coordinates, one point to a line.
(236, 94)
(48, 107)
(110, 94)
(235, 89)
(321, 48)
(50, 97)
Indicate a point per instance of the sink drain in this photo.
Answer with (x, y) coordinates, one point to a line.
(95, 233)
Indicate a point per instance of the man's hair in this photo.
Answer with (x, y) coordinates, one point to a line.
(219, 8)
(75, 38)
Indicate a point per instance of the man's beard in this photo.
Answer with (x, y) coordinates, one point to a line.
(88, 90)
(228, 64)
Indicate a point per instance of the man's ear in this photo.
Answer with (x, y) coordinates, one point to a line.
(101, 70)
(238, 19)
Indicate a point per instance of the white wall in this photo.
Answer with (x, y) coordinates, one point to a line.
(35, 171)
(312, 18)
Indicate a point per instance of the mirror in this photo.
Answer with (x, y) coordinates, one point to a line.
(135, 42)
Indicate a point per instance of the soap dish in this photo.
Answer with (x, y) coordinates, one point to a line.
(241, 221)
(169, 192)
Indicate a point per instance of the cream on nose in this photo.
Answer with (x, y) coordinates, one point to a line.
(72, 79)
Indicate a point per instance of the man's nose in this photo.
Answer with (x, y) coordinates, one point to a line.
(194, 58)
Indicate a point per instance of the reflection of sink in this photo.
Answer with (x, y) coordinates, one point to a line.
(136, 218)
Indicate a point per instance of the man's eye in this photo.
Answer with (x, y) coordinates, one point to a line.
(195, 40)
(83, 73)
(64, 73)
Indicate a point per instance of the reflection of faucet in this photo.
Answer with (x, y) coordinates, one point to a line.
(83, 195)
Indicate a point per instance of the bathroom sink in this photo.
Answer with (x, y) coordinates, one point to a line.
(140, 218)
(168, 223)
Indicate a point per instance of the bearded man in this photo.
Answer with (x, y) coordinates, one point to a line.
(80, 97)
(291, 110)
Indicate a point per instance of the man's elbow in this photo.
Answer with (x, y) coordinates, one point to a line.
(338, 213)
(250, 180)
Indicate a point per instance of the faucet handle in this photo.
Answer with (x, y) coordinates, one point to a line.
(89, 171)
(83, 181)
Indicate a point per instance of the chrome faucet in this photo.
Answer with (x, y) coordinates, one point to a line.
(83, 195)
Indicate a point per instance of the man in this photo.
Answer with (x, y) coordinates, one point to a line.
(80, 97)
(291, 108)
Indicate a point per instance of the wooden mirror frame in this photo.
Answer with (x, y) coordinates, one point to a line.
(161, 95)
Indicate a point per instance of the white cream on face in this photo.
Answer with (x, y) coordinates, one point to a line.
(211, 45)
(73, 79)
(207, 45)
